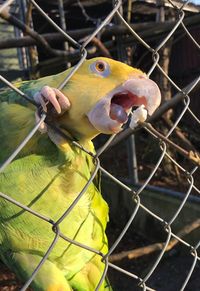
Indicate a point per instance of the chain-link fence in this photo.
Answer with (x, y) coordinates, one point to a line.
(163, 141)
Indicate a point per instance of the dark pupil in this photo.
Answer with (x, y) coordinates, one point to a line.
(101, 67)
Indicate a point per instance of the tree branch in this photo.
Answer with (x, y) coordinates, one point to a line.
(102, 48)
(146, 30)
(193, 156)
(26, 29)
(134, 254)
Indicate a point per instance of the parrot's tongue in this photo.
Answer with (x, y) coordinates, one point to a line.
(121, 103)
(118, 113)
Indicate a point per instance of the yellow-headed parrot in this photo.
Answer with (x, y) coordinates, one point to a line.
(50, 171)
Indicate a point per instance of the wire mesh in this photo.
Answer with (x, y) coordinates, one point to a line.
(162, 141)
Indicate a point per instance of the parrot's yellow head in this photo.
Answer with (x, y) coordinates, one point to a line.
(102, 93)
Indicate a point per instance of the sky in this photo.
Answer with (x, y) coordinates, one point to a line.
(196, 2)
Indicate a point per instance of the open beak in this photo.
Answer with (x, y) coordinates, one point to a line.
(111, 112)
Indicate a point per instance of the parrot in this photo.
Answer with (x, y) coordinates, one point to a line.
(50, 171)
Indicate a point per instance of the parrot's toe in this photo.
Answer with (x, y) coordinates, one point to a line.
(42, 128)
(39, 99)
(63, 101)
(53, 96)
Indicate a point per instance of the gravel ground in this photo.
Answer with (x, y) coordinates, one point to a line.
(169, 276)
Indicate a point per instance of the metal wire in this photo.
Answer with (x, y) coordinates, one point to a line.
(136, 195)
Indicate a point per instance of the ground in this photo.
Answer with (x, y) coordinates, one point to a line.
(168, 276)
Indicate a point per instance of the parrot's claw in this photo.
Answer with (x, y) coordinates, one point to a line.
(139, 115)
(53, 96)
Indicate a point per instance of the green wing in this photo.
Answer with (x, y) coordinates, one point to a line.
(30, 88)
(48, 180)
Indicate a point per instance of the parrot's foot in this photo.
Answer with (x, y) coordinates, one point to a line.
(53, 96)
(139, 115)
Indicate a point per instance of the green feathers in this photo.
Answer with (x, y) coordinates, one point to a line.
(48, 184)
(49, 174)
(47, 179)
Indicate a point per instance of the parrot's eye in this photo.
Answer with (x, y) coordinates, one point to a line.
(100, 68)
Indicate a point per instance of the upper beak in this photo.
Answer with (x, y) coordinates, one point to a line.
(136, 92)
